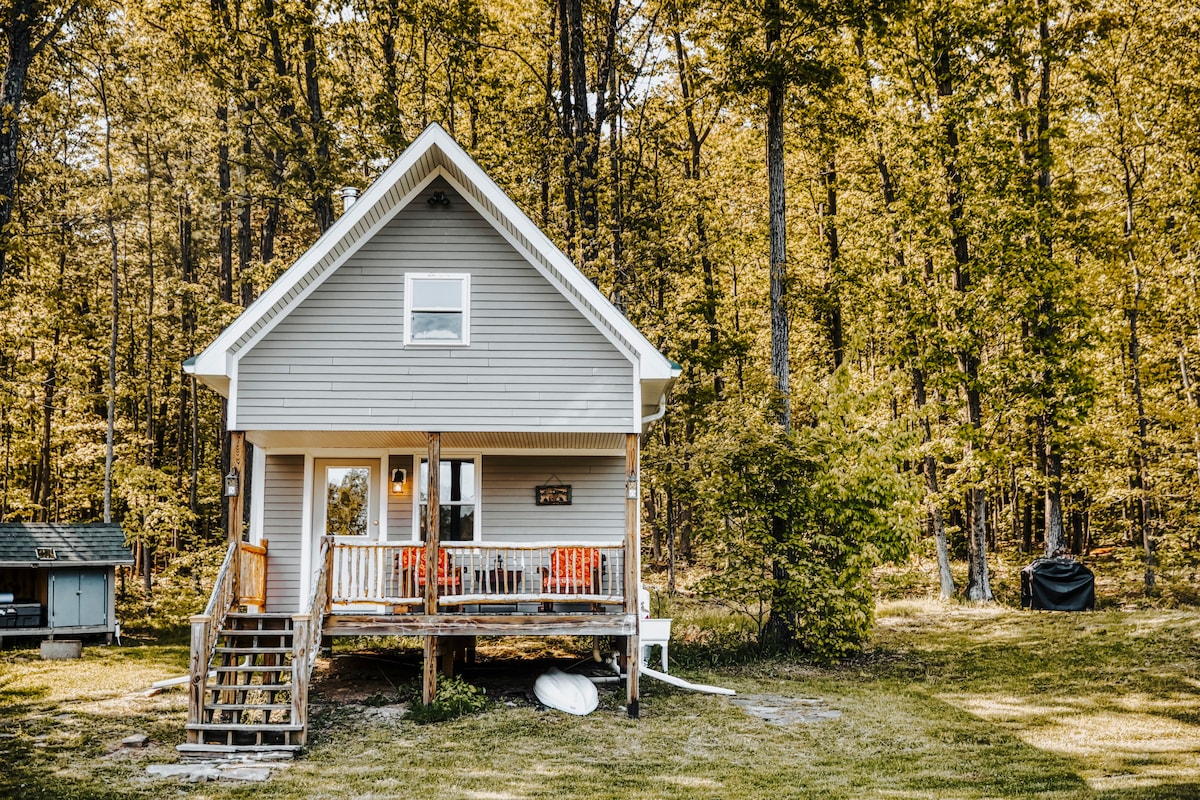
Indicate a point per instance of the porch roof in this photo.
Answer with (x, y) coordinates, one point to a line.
(451, 440)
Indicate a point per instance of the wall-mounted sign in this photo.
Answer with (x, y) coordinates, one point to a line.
(552, 495)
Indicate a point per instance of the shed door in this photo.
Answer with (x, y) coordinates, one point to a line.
(78, 598)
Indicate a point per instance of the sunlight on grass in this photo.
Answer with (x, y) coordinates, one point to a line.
(951, 702)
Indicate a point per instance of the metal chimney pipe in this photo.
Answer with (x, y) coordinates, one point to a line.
(349, 195)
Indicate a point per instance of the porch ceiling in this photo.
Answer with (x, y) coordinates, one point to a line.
(451, 440)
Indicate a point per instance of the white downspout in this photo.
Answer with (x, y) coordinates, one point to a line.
(657, 415)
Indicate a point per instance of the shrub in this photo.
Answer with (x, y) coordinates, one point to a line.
(455, 698)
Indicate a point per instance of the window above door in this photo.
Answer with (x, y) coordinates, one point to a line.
(437, 309)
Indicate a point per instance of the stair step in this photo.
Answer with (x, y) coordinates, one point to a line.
(282, 637)
(252, 668)
(249, 706)
(207, 750)
(253, 651)
(278, 727)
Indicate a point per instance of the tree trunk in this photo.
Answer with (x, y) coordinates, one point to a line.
(778, 628)
(696, 139)
(978, 581)
(26, 33)
(833, 253)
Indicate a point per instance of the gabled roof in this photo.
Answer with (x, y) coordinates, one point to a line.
(62, 544)
(433, 154)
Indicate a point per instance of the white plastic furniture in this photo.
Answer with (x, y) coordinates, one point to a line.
(654, 632)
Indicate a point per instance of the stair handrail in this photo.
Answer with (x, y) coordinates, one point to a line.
(307, 629)
(206, 629)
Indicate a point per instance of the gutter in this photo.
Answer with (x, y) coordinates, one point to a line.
(657, 415)
(676, 371)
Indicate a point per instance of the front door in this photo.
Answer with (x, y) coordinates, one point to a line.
(346, 507)
(346, 504)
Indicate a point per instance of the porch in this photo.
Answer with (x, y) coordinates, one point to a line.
(250, 670)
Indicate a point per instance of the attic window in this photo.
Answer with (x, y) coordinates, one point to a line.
(46, 554)
(437, 309)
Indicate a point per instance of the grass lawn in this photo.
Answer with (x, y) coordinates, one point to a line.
(947, 702)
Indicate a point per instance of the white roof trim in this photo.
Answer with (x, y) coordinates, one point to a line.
(216, 364)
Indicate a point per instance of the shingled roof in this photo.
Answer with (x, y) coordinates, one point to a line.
(48, 543)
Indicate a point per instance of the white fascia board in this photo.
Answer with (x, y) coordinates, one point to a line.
(331, 268)
(623, 346)
(654, 363)
(210, 362)
(218, 360)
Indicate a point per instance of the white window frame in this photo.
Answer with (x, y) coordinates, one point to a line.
(418, 458)
(464, 279)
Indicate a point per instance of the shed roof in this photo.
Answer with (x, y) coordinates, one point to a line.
(97, 544)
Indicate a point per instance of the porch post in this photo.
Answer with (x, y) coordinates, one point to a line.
(632, 556)
(433, 516)
(237, 464)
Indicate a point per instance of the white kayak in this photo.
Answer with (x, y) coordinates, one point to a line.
(574, 694)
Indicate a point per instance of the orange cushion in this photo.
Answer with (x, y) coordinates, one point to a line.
(573, 569)
(410, 556)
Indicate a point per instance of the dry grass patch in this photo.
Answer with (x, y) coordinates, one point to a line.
(946, 702)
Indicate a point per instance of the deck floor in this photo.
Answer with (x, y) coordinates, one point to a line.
(549, 624)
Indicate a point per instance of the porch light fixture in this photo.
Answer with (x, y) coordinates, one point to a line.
(399, 480)
(439, 199)
(232, 484)
(631, 487)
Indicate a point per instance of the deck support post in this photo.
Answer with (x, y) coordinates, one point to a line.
(433, 517)
(429, 670)
(632, 556)
(237, 465)
(201, 627)
(301, 633)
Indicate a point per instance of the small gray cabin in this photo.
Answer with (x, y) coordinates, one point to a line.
(432, 389)
(57, 579)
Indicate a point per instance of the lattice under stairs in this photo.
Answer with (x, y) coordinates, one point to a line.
(248, 692)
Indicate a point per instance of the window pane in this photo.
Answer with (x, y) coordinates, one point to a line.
(457, 523)
(458, 481)
(346, 498)
(457, 484)
(434, 293)
(433, 326)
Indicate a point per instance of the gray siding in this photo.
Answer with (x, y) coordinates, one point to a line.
(597, 509)
(283, 504)
(399, 508)
(337, 362)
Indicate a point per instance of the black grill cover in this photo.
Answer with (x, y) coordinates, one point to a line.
(1058, 584)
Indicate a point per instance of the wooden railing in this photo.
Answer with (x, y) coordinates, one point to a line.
(307, 630)
(469, 572)
(206, 628)
(252, 577)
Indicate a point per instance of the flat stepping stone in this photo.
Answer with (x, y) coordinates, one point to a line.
(779, 710)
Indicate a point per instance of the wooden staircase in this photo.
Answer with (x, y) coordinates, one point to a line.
(249, 691)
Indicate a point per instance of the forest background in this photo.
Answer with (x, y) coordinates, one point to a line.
(970, 292)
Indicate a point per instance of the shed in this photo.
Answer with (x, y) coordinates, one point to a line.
(58, 579)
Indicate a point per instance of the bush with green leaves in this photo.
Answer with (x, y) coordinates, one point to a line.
(799, 518)
(454, 698)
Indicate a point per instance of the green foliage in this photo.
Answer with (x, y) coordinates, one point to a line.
(798, 519)
(455, 698)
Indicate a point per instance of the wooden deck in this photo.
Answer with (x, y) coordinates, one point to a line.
(547, 624)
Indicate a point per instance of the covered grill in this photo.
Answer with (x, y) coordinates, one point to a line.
(1058, 584)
